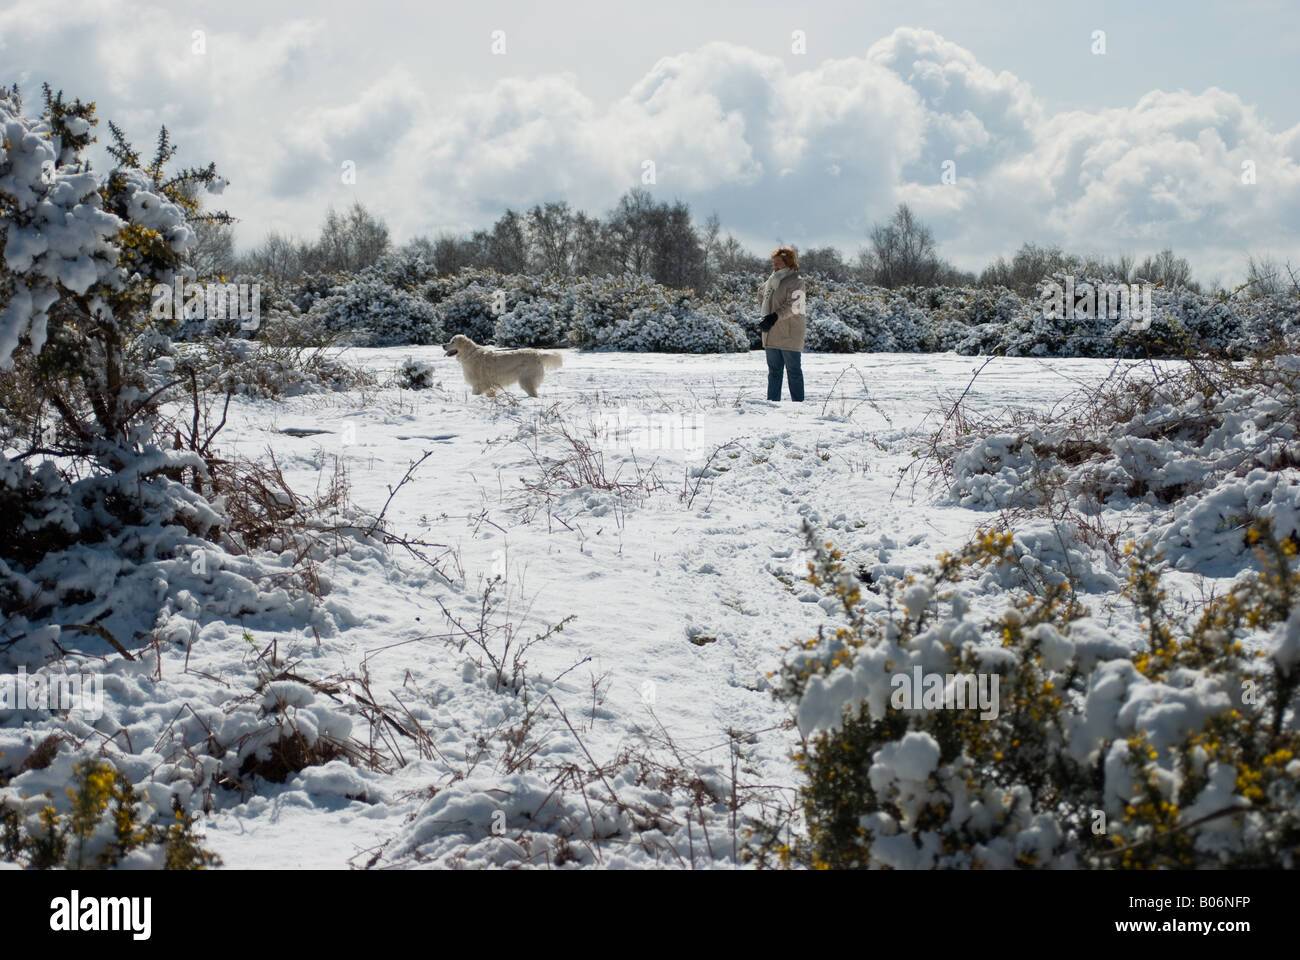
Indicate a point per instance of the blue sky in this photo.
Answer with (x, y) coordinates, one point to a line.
(1132, 150)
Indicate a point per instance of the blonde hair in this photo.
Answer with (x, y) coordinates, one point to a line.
(788, 255)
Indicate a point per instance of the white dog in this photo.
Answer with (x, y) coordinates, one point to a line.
(487, 370)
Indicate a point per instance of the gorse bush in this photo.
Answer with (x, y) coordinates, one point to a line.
(829, 334)
(88, 368)
(603, 305)
(415, 374)
(530, 323)
(635, 313)
(1178, 752)
(103, 826)
(370, 313)
(470, 312)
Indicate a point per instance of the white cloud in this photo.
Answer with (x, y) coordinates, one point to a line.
(804, 153)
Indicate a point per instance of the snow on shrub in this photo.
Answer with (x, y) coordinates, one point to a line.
(123, 533)
(473, 301)
(885, 321)
(596, 312)
(255, 368)
(313, 287)
(103, 824)
(404, 269)
(603, 307)
(829, 334)
(61, 236)
(530, 323)
(225, 313)
(416, 374)
(469, 311)
(370, 313)
(675, 329)
(635, 314)
(737, 297)
(1075, 749)
(1188, 457)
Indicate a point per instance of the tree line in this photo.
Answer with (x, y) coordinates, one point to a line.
(661, 240)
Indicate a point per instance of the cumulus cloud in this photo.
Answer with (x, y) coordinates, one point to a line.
(808, 154)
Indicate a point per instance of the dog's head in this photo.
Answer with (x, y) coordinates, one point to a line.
(458, 343)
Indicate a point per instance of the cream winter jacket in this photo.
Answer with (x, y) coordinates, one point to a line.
(791, 326)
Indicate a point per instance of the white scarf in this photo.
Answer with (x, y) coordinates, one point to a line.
(770, 286)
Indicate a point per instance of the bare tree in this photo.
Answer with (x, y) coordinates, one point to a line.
(1167, 269)
(507, 244)
(1264, 275)
(1027, 268)
(678, 259)
(631, 228)
(550, 235)
(591, 250)
(825, 261)
(348, 242)
(213, 253)
(903, 251)
(655, 239)
(452, 253)
(734, 258)
(279, 256)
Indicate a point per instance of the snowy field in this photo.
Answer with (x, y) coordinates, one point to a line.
(683, 589)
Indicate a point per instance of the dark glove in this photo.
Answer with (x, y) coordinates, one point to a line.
(767, 323)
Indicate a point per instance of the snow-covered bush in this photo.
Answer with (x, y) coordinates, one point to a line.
(1189, 456)
(313, 287)
(438, 289)
(105, 826)
(473, 301)
(531, 323)
(674, 329)
(415, 374)
(470, 312)
(404, 269)
(844, 315)
(885, 321)
(635, 314)
(232, 307)
(82, 255)
(1036, 738)
(256, 368)
(370, 313)
(603, 305)
(1265, 322)
(829, 334)
(736, 297)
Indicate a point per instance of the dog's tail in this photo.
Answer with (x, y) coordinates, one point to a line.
(551, 361)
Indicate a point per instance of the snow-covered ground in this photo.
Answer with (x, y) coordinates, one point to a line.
(683, 594)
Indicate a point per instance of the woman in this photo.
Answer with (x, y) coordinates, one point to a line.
(784, 324)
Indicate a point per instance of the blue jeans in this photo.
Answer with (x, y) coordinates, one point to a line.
(790, 360)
